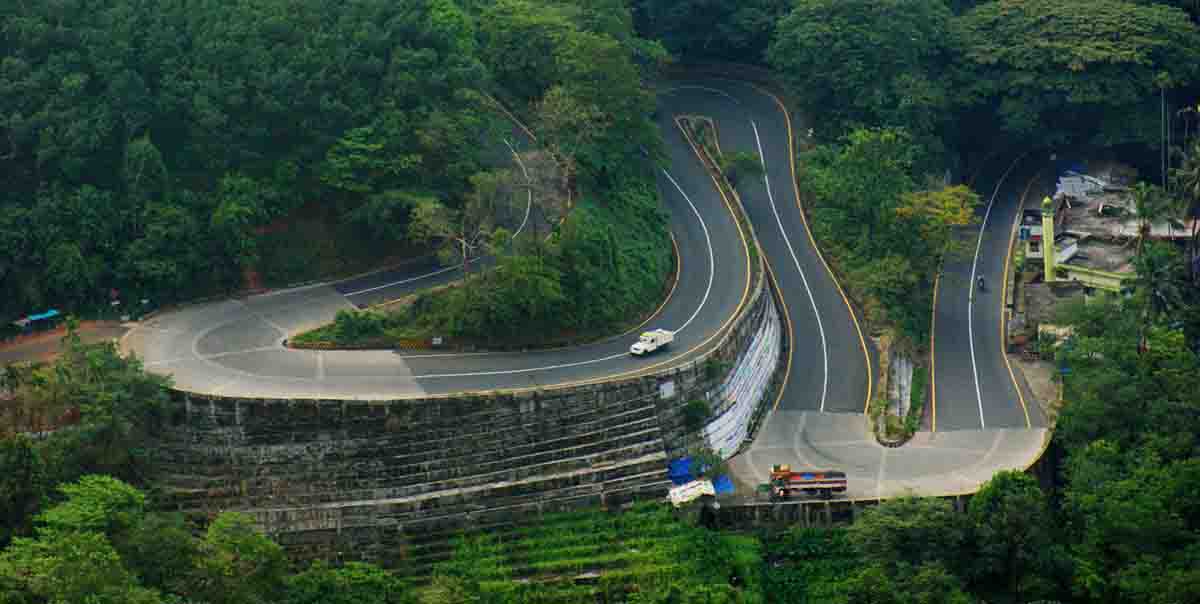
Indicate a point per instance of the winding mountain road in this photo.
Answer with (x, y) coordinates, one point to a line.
(234, 347)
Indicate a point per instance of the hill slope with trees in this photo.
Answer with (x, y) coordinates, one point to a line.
(170, 150)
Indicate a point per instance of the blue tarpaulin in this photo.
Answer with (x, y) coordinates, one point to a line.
(680, 470)
(723, 485)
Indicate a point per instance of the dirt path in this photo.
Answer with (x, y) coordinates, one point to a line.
(47, 345)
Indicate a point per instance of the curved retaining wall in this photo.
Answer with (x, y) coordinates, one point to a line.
(358, 479)
(742, 398)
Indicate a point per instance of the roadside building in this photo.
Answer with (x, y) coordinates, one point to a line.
(1077, 242)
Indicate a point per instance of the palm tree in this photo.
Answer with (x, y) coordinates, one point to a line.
(1157, 279)
(1187, 185)
(1150, 205)
(1155, 285)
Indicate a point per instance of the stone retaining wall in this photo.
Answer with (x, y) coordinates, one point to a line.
(357, 479)
(367, 480)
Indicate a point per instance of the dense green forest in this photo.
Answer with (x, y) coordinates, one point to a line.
(167, 149)
(146, 141)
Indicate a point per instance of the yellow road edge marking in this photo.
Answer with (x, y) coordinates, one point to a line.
(1012, 236)
(787, 374)
(770, 273)
(804, 220)
(937, 278)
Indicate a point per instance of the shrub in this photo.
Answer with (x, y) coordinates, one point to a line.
(916, 406)
(740, 164)
(353, 325)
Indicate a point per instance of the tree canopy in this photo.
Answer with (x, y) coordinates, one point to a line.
(733, 30)
(178, 134)
(868, 63)
(1076, 71)
(887, 232)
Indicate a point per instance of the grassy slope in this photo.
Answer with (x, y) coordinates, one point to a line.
(591, 556)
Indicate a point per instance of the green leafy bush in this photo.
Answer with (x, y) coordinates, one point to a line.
(354, 325)
(608, 262)
(739, 165)
(916, 404)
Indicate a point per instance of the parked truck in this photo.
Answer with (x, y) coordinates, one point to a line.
(651, 341)
(824, 483)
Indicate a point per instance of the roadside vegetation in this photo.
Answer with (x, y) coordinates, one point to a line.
(608, 262)
(102, 542)
(646, 554)
(886, 234)
(91, 411)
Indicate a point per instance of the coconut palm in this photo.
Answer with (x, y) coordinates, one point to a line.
(1157, 279)
(1156, 285)
(1150, 205)
(1187, 186)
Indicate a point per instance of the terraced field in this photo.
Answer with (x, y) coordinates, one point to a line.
(641, 554)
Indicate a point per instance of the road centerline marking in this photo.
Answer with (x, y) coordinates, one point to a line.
(403, 281)
(712, 263)
(971, 287)
(808, 231)
(703, 301)
(779, 221)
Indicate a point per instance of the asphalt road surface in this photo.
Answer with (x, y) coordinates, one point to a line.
(819, 422)
(235, 347)
(829, 364)
(975, 390)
